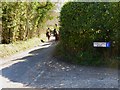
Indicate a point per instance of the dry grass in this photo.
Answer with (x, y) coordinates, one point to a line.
(10, 49)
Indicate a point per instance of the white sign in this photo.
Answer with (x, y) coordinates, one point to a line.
(100, 44)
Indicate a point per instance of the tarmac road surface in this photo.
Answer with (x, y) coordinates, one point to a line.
(39, 69)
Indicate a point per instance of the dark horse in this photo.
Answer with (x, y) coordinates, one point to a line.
(56, 35)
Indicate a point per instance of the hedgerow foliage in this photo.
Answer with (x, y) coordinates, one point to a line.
(83, 23)
(22, 20)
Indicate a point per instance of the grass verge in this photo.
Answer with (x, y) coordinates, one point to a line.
(13, 48)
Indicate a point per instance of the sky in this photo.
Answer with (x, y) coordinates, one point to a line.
(35, 0)
(62, 0)
(58, 6)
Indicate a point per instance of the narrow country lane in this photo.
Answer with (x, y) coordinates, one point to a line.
(40, 69)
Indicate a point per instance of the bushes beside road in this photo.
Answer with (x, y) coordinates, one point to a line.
(83, 23)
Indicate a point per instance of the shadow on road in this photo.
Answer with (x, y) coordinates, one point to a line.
(42, 71)
(26, 69)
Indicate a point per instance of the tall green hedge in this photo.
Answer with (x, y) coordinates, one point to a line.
(83, 23)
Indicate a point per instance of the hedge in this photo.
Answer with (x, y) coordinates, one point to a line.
(83, 23)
